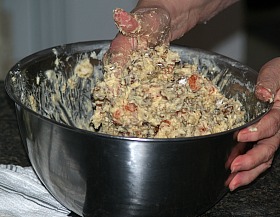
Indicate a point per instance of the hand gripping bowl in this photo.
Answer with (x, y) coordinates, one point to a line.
(94, 174)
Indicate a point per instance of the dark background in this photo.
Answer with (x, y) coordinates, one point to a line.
(260, 22)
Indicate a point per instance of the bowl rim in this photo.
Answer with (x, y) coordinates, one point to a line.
(87, 46)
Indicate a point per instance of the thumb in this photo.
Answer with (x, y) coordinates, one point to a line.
(268, 82)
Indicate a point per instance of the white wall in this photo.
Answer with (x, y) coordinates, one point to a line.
(39, 24)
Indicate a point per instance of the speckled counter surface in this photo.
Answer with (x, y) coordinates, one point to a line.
(11, 147)
(262, 198)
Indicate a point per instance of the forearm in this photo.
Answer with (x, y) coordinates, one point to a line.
(185, 14)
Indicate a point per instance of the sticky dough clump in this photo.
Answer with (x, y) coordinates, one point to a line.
(156, 96)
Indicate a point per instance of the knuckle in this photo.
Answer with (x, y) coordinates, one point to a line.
(268, 164)
(269, 153)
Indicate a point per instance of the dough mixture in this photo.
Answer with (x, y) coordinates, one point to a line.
(158, 96)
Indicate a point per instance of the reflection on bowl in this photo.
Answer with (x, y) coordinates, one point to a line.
(95, 174)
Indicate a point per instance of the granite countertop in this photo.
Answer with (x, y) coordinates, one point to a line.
(260, 199)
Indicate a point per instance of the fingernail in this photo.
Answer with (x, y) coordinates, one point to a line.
(235, 168)
(264, 93)
(232, 188)
(243, 135)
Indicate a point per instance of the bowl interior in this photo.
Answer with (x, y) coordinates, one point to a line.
(40, 82)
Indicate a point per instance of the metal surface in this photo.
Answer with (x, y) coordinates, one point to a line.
(94, 174)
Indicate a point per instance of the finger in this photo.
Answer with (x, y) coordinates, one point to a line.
(237, 150)
(145, 27)
(268, 80)
(268, 126)
(119, 51)
(261, 153)
(150, 23)
(246, 177)
(126, 22)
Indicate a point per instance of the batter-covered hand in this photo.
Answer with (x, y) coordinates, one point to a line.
(154, 22)
(142, 28)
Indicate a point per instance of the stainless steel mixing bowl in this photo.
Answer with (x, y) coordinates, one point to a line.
(94, 174)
